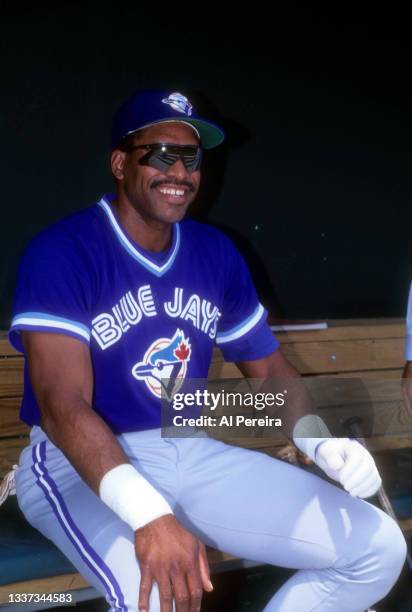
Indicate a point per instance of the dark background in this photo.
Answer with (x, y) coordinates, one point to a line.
(314, 182)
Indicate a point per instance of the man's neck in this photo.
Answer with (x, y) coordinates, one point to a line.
(148, 233)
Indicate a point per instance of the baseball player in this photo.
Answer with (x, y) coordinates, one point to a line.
(113, 301)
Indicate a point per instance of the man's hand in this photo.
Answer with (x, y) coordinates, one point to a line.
(171, 556)
(351, 464)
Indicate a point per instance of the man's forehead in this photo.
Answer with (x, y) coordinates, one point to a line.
(168, 131)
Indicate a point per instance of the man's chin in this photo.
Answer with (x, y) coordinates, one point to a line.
(174, 216)
(172, 213)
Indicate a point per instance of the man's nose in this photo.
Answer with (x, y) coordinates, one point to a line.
(178, 169)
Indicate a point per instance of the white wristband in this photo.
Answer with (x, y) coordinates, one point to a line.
(131, 496)
(314, 431)
(309, 445)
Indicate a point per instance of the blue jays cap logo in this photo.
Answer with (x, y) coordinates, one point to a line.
(179, 103)
(164, 365)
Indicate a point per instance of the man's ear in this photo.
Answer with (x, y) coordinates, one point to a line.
(117, 161)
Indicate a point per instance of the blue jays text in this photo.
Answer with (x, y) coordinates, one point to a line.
(109, 327)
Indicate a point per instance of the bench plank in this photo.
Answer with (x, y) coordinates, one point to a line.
(10, 424)
(345, 355)
(55, 584)
(10, 450)
(348, 329)
(11, 376)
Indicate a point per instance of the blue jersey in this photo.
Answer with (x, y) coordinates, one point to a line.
(146, 317)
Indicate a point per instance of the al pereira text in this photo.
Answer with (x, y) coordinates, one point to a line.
(226, 421)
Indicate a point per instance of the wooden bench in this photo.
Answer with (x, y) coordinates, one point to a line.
(368, 349)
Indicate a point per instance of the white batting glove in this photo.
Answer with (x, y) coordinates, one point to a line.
(351, 464)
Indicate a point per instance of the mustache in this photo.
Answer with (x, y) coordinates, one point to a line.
(172, 181)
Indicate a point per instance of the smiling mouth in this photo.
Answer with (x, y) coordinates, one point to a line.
(171, 191)
(173, 195)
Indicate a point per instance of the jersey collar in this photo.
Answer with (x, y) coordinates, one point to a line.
(133, 249)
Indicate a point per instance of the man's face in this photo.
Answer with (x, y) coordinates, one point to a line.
(158, 195)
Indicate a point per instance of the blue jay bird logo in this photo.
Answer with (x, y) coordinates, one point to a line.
(179, 103)
(164, 365)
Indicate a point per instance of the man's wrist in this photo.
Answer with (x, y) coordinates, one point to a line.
(309, 446)
(309, 433)
(132, 497)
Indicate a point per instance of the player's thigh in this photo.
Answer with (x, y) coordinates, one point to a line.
(64, 509)
(258, 507)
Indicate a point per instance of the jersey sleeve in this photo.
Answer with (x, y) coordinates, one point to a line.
(408, 342)
(53, 291)
(243, 333)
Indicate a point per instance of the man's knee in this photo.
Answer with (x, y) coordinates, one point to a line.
(390, 548)
(380, 562)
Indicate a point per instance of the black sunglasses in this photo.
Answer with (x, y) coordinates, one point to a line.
(162, 155)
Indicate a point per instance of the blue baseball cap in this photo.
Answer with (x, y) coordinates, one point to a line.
(148, 107)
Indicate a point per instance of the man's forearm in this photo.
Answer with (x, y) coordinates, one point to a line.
(83, 437)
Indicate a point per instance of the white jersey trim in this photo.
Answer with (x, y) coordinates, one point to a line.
(36, 320)
(156, 269)
(241, 329)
